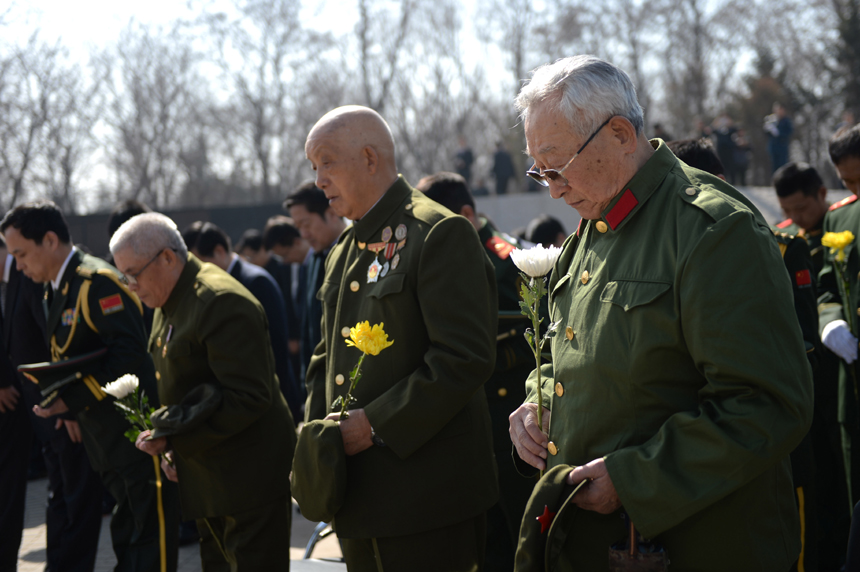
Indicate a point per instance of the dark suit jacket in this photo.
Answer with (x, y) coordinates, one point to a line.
(264, 288)
(24, 341)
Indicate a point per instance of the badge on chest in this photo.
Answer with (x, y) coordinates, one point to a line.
(390, 251)
(69, 317)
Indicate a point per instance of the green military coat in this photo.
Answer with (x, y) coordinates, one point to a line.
(678, 358)
(212, 330)
(423, 395)
(93, 310)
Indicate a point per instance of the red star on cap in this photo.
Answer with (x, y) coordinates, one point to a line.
(545, 519)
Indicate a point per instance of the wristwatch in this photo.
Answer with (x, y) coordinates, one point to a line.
(377, 440)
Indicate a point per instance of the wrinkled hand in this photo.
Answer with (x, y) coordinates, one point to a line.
(152, 447)
(530, 441)
(599, 495)
(169, 470)
(837, 337)
(72, 427)
(8, 399)
(354, 430)
(57, 407)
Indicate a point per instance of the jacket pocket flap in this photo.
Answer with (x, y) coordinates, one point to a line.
(390, 284)
(631, 293)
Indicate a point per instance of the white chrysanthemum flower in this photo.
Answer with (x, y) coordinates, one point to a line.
(123, 386)
(536, 261)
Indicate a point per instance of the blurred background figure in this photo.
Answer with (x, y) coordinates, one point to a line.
(463, 159)
(546, 230)
(503, 168)
(778, 128)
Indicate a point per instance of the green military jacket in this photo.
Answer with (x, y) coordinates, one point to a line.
(505, 389)
(212, 330)
(93, 310)
(422, 395)
(813, 239)
(678, 358)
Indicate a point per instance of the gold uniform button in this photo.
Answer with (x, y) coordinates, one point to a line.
(408, 207)
(158, 375)
(196, 285)
(158, 341)
(345, 331)
(858, 311)
(502, 392)
(559, 389)
(354, 286)
(569, 333)
(553, 450)
(584, 277)
(361, 245)
(338, 379)
(601, 226)
(691, 191)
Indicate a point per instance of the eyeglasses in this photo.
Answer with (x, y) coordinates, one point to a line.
(131, 279)
(544, 176)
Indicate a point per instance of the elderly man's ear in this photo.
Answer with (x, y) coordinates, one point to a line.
(623, 134)
(371, 159)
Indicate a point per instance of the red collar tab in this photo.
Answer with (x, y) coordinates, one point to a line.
(843, 202)
(499, 246)
(622, 208)
(578, 226)
(785, 224)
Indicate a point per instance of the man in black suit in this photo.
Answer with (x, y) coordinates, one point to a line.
(211, 244)
(73, 513)
(321, 227)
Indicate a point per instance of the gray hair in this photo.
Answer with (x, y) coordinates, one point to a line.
(148, 234)
(586, 89)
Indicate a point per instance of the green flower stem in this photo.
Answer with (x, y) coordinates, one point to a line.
(537, 347)
(353, 379)
(849, 317)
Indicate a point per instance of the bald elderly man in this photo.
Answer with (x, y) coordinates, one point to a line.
(679, 382)
(419, 457)
(226, 423)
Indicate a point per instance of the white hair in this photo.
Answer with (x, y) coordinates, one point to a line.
(148, 234)
(586, 90)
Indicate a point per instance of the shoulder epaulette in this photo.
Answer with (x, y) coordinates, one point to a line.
(499, 246)
(843, 202)
(84, 272)
(786, 223)
(783, 237)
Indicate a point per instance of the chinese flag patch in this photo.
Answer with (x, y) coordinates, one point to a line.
(111, 304)
(802, 278)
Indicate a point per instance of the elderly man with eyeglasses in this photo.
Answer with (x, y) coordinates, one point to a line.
(225, 421)
(678, 383)
(89, 310)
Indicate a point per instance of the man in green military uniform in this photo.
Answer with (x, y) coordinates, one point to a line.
(225, 420)
(89, 309)
(419, 457)
(667, 389)
(505, 389)
(838, 331)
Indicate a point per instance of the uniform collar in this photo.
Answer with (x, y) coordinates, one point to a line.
(186, 279)
(485, 233)
(367, 229)
(7, 270)
(55, 283)
(640, 188)
(233, 262)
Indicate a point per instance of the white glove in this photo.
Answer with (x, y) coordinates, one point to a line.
(838, 339)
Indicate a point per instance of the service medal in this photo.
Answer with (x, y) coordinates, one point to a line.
(401, 244)
(386, 234)
(400, 232)
(384, 270)
(373, 271)
(395, 261)
(390, 249)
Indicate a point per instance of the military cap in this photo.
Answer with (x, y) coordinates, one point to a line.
(546, 521)
(197, 405)
(319, 470)
(53, 377)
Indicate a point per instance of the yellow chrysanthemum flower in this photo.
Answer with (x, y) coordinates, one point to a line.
(837, 241)
(369, 340)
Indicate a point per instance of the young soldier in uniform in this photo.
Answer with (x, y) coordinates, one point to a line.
(668, 393)
(505, 389)
(89, 309)
(803, 198)
(838, 331)
(229, 427)
(417, 444)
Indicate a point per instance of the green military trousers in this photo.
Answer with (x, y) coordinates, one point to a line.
(455, 548)
(254, 540)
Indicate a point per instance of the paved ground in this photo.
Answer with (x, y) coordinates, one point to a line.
(32, 555)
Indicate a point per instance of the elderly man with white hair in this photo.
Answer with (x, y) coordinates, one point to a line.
(678, 383)
(224, 418)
